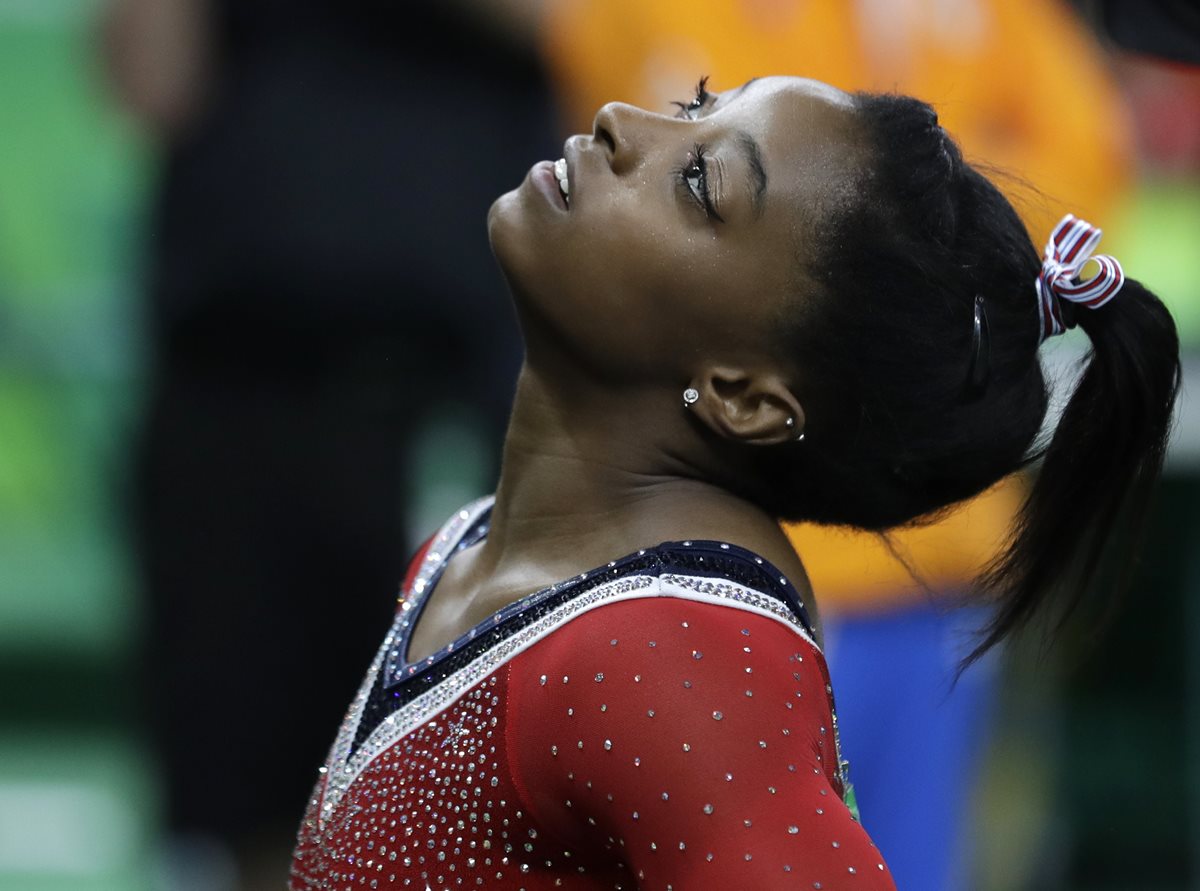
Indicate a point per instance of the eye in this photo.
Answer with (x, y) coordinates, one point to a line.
(701, 99)
(693, 179)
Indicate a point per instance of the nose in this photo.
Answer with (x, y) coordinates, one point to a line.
(623, 130)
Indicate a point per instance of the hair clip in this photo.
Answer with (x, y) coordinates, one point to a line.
(981, 348)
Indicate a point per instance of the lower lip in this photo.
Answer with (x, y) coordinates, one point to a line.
(543, 177)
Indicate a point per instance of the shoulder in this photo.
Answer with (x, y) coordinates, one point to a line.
(682, 638)
(703, 672)
(667, 717)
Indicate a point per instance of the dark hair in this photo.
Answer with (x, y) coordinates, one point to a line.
(895, 430)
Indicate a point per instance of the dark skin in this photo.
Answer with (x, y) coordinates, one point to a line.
(628, 296)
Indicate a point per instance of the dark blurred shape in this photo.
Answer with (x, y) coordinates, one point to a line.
(1169, 29)
(319, 279)
(1165, 106)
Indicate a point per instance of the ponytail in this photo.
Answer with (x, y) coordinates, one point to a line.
(1100, 468)
(914, 404)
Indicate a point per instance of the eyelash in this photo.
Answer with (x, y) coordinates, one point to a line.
(696, 168)
(701, 99)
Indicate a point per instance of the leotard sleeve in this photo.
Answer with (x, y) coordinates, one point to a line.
(693, 742)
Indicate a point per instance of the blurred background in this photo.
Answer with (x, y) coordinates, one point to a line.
(253, 348)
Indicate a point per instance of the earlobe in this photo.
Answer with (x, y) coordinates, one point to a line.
(756, 408)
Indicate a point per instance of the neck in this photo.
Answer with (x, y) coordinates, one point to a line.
(587, 482)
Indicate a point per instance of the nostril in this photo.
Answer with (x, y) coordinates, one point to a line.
(602, 134)
(604, 129)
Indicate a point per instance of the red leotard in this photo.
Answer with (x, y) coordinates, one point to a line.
(664, 722)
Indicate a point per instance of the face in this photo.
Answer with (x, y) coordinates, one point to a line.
(681, 236)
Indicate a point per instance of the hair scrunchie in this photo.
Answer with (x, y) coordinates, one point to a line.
(1069, 247)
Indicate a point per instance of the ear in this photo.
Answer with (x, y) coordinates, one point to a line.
(754, 407)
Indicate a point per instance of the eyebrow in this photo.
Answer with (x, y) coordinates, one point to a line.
(758, 175)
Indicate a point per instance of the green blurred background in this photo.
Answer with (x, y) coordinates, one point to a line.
(1092, 782)
(77, 802)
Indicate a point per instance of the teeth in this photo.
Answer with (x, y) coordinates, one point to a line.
(560, 172)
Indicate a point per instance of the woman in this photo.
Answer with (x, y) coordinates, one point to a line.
(784, 302)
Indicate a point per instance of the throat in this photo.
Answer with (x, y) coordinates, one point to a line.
(583, 483)
(464, 597)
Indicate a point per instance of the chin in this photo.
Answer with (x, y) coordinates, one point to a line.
(503, 223)
(513, 245)
(499, 209)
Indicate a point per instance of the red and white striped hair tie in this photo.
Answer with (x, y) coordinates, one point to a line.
(1070, 246)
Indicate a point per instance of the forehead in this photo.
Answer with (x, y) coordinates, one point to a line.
(796, 103)
(800, 89)
(807, 133)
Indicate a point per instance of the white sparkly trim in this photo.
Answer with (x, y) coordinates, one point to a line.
(441, 547)
(721, 591)
(443, 542)
(343, 770)
(340, 751)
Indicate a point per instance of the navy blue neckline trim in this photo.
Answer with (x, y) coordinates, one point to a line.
(400, 682)
(772, 582)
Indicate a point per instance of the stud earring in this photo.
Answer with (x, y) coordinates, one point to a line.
(791, 422)
(691, 396)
